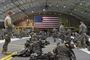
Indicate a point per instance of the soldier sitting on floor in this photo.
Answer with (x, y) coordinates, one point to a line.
(34, 37)
(26, 52)
(64, 52)
(81, 40)
(68, 35)
(46, 56)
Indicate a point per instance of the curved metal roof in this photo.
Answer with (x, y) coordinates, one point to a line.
(21, 8)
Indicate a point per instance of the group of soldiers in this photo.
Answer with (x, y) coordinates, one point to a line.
(34, 44)
(33, 49)
(80, 39)
(59, 53)
(63, 51)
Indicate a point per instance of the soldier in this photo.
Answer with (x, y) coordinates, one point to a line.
(82, 28)
(8, 26)
(83, 36)
(64, 52)
(61, 28)
(62, 32)
(75, 35)
(37, 47)
(26, 52)
(42, 35)
(34, 37)
(68, 35)
(54, 34)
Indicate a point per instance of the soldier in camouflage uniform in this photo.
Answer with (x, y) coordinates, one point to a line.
(8, 26)
(61, 28)
(42, 35)
(83, 36)
(64, 52)
(54, 34)
(62, 32)
(75, 36)
(37, 47)
(34, 37)
(68, 35)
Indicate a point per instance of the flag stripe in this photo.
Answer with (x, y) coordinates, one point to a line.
(46, 23)
(49, 17)
(50, 21)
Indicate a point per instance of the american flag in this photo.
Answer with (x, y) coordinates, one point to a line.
(46, 22)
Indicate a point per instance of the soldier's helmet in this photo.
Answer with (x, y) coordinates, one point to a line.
(9, 12)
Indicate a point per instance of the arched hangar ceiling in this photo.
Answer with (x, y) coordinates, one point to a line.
(21, 8)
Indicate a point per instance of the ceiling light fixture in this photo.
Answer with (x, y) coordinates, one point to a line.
(64, 6)
(57, 5)
(44, 9)
(81, 4)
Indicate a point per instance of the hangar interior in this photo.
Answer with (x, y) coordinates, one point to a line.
(42, 17)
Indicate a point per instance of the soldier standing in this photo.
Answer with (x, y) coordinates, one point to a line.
(61, 28)
(83, 36)
(62, 32)
(82, 28)
(54, 34)
(8, 26)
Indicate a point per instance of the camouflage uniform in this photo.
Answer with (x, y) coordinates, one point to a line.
(36, 47)
(82, 28)
(83, 36)
(68, 36)
(8, 26)
(34, 37)
(61, 36)
(63, 53)
(54, 34)
(7, 39)
(61, 29)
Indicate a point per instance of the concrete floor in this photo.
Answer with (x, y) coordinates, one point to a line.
(19, 45)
